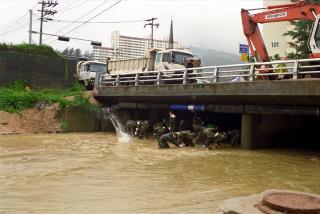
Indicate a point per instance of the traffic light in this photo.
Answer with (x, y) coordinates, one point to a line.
(96, 43)
(63, 38)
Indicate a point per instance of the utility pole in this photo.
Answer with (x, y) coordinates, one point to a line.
(45, 13)
(152, 24)
(30, 28)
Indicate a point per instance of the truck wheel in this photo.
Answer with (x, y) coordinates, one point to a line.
(89, 87)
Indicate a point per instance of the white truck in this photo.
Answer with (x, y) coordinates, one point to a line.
(155, 60)
(87, 71)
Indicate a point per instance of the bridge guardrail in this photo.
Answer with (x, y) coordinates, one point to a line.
(289, 69)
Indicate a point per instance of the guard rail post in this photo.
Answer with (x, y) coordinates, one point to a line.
(214, 74)
(159, 78)
(136, 79)
(252, 72)
(118, 80)
(185, 77)
(295, 70)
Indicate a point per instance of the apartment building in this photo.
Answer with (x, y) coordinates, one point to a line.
(102, 53)
(272, 33)
(128, 47)
(133, 47)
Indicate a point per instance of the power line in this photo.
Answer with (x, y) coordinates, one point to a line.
(101, 22)
(73, 5)
(94, 16)
(15, 1)
(13, 22)
(14, 29)
(66, 5)
(79, 19)
(12, 25)
(50, 34)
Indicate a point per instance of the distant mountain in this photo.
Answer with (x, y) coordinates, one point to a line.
(213, 57)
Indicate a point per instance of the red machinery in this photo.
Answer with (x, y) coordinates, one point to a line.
(302, 10)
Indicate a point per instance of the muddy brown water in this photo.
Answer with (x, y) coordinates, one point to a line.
(93, 173)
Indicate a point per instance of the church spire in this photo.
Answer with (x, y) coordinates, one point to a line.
(171, 46)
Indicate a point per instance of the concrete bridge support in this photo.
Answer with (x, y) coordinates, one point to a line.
(249, 131)
(263, 131)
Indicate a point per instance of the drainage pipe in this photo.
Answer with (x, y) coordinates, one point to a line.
(235, 109)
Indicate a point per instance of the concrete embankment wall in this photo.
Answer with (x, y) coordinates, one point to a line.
(84, 119)
(38, 71)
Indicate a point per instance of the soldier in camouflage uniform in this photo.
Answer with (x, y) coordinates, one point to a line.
(220, 139)
(142, 129)
(130, 127)
(159, 129)
(185, 138)
(197, 123)
(206, 136)
(168, 137)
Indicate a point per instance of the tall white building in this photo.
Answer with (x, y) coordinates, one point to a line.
(128, 47)
(102, 53)
(133, 47)
(272, 33)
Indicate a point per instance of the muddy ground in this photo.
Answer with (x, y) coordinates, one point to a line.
(34, 120)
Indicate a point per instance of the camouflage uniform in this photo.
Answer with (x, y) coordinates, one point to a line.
(159, 129)
(185, 138)
(142, 129)
(197, 123)
(130, 127)
(221, 138)
(206, 136)
(165, 138)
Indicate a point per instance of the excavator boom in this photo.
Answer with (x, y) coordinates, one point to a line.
(302, 10)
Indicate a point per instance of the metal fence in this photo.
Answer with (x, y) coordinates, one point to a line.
(276, 70)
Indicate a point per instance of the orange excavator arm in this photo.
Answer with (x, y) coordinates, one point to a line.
(302, 10)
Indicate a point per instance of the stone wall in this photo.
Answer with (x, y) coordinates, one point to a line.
(38, 71)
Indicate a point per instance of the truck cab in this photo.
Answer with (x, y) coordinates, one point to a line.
(174, 59)
(87, 71)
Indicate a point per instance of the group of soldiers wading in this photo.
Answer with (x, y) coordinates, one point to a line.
(186, 134)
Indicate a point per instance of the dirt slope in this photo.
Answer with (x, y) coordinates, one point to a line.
(36, 120)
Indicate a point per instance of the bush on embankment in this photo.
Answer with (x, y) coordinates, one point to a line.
(17, 97)
(42, 50)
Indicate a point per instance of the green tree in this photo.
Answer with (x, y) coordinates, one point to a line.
(88, 55)
(300, 37)
(76, 53)
(275, 57)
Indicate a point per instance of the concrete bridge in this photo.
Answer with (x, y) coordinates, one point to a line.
(264, 104)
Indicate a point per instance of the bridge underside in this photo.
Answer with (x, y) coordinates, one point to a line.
(263, 104)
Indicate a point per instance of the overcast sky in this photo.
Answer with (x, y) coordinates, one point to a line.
(213, 24)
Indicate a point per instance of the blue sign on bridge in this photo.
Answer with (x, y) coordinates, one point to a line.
(243, 48)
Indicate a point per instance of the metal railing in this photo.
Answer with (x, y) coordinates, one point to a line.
(276, 70)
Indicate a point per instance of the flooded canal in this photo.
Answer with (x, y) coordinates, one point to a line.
(93, 173)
